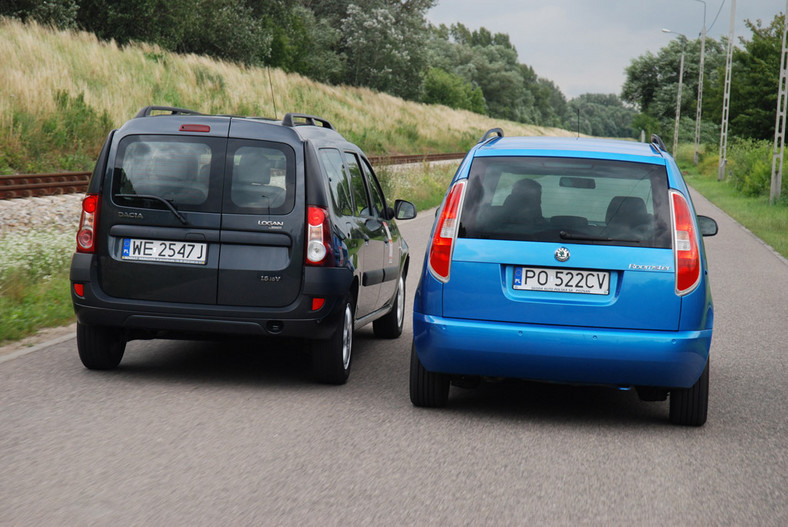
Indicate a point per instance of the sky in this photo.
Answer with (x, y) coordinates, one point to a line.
(584, 46)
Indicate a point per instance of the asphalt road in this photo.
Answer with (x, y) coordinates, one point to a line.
(187, 433)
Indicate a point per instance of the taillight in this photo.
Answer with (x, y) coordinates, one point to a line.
(685, 245)
(445, 234)
(318, 237)
(88, 224)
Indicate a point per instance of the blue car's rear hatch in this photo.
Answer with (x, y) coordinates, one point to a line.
(564, 241)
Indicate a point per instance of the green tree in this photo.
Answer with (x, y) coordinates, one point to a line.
(442, 87)
(755, 81)
(59, 13)
(601, 115)
(384, 44)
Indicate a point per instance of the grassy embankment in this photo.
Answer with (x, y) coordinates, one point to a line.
(62, 92)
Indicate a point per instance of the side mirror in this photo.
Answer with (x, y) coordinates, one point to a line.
(708, 227)
(404, 210)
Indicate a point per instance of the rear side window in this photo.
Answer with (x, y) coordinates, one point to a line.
(261, 177)
(378, 203)
(338, 182)
(567, 200)
(184, 171)
(358, 187)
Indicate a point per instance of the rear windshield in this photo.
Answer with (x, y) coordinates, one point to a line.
(173, 168)
(205, 174)
(567, 200)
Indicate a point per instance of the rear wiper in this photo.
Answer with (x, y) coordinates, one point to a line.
(167, 203)
(586, 237)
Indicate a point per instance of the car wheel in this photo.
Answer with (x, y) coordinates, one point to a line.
(100, 348)
(689, 406)
(390, 325)
(427, 389)
(331, 357)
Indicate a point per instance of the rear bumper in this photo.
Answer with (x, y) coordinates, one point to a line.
(143, 319)
(671, 359)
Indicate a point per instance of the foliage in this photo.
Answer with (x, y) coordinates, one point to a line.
(489, 62)
(34, 284)
(754, 80)
(750, 166)
(601, 115)
(385, 47)
(59, 13)
(422, 184)
(442, 87)
(768, 222)
(651, 83)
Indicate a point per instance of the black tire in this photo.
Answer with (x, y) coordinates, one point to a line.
(331, 357)
(390, 325)
(427, 389)
(100, 348)
(689, 406)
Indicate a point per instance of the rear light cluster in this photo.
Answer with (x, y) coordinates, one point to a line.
(685, 245)
(86, 235)
(445, 234)
(318, 237)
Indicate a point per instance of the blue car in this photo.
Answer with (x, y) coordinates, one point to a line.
(571, 261)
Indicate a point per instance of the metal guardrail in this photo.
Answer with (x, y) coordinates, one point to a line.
(32, 185)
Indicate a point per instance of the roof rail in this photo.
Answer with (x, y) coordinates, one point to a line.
(305, 120)
(490, 132)
(148, 110)
(657, 140)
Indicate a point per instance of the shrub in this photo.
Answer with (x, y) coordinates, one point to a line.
(750, 166)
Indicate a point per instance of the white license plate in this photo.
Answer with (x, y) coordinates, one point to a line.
(164, 251)
(562, 280)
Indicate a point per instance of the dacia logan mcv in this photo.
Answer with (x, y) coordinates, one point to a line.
(211, 226)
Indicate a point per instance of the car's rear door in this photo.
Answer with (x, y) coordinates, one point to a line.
(261, 256)
(369, 227)
(160, 210)
(390, 258)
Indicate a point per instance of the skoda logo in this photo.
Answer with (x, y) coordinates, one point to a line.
(562, 254)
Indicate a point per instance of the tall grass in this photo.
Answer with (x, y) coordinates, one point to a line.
(62, 91)
(34, 283)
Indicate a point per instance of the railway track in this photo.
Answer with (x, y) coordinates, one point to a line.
(31, 185)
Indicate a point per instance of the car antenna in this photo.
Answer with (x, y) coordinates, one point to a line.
(271, 84)
(578, 122)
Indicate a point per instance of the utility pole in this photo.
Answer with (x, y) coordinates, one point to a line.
(700, 84)
(683, 39)
(779, 125)
(726, 99)
(678, 101)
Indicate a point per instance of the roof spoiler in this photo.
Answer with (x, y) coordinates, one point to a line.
(491, 131)
(148, 110)
(302, 119)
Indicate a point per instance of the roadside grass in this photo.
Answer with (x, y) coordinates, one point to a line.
(768, 222)
(34, 283)
(424, 185)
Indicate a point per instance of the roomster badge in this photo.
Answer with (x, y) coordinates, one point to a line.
(562, 254)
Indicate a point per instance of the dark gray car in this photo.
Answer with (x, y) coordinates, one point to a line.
(220, 226)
